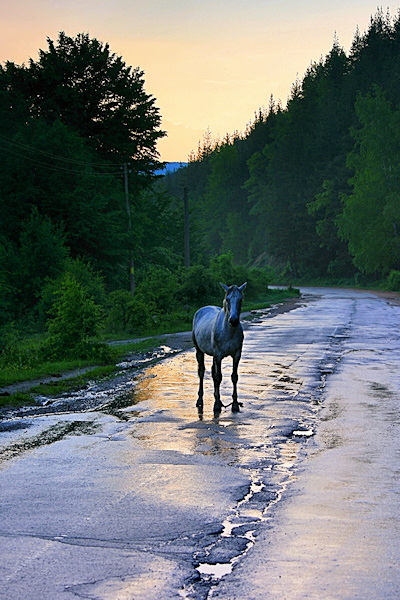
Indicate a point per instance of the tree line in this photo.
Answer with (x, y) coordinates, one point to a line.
(313, 188)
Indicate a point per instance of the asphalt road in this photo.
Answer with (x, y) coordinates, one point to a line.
(123, 493)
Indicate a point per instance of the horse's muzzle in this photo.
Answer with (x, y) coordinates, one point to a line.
(234, 321)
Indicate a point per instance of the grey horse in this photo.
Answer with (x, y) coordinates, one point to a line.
(218, 333)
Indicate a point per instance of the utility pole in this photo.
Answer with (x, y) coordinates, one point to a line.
(128, 211)
(187, 244)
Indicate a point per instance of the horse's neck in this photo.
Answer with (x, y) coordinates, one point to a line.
(223, 320)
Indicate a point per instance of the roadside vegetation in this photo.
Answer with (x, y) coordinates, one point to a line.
(83, 348)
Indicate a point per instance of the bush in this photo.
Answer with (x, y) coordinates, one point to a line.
(159, 287)
(222, 269)
(75, 319)
(197, 287)
(130, 314)
(25, 266)
(257, 283)
(117, 311)
(18, 351)
(393, 281)
(142, 315)
(84, 274)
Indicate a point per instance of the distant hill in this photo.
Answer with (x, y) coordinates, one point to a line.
(170, 167)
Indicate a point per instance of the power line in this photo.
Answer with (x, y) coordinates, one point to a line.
(66, 169)
(55, 156)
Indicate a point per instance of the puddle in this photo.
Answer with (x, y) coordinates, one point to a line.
(305, 433)
(238, 534)
(148, 358)
(215, 571)
(119, 407)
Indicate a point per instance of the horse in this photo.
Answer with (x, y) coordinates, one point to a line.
(217, 332)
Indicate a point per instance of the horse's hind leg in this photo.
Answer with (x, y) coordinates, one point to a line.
(235, 377)
(217, 378)
(201, 369)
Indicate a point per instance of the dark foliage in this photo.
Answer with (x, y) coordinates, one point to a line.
(68, 122)
(290, 189)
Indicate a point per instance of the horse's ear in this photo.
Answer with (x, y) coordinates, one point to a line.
(225, 287)
(242, 287)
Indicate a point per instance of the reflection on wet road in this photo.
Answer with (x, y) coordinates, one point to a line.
(123, 491)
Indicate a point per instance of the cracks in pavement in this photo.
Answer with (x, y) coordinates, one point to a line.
(266, 489)
(51, 435)
(240, 528)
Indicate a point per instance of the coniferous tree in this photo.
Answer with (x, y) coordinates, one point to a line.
(370, 220)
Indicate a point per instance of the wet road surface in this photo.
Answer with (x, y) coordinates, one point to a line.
(122, 492)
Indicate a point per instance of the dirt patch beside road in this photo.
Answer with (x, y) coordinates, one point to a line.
(393, 297)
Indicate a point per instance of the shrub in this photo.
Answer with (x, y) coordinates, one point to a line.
(84, 274)
(117, 311)
(75, 319)
(197, 287)
(130, 314)
(24, 266)
(159, 287)
(257, 283)
(18, 351)
(222, 269)
(393, 281)
(142, 315)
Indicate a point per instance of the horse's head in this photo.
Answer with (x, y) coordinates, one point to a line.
(233, 302)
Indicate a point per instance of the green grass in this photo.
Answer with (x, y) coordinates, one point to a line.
(14, 373)
(17, 399)
(71, 384)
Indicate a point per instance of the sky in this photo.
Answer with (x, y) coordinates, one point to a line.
(210, 64)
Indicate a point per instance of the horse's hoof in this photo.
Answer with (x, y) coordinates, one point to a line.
(217, 409)
(235, 407)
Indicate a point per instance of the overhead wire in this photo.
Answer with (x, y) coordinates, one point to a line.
(63, 159)
(65, 169)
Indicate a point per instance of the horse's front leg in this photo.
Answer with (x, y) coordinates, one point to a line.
(201, 370)
(217, 378)
(235, 377)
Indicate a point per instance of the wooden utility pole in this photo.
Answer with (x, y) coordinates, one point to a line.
(128, 211)
(187, 244)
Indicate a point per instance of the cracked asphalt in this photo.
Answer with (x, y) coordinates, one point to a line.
(121, 492)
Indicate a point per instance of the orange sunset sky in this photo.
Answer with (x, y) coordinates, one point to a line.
(209, 63)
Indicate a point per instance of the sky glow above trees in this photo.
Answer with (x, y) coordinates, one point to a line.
(210, 64)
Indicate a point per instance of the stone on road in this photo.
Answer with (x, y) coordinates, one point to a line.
(134, 497)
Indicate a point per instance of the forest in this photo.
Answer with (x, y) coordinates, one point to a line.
(311, 189)
(92, 238)
(91, 243)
